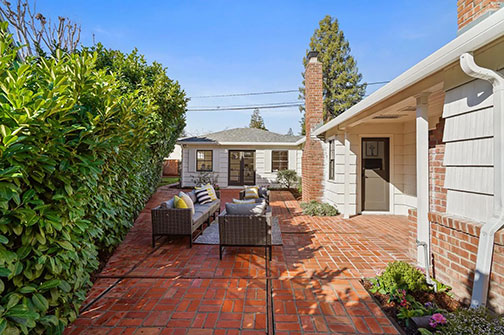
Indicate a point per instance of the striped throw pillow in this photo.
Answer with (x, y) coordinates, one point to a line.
(251, 192)
(203, 196)
(210, 189)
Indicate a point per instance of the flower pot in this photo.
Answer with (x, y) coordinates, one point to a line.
(421, 321)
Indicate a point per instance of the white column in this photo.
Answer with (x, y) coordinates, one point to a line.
(346, 214)
(422, 176)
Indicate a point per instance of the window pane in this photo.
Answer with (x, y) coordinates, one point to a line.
(279, 160)
(204, 160)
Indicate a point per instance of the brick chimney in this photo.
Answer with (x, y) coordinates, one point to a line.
(470, 12)
(313, 154)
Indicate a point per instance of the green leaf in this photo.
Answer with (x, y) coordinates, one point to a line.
(3, 239)
(3, 325)
(66, 245)
(50, 284)
(40, 302)
(4, 272)
(13, 300)
(23, 312)
(2, 287)
(27, 289)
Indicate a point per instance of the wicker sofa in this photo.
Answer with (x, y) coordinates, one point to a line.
(245, 231)
(181, 221)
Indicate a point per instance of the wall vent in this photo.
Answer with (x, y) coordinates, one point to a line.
(387, 116)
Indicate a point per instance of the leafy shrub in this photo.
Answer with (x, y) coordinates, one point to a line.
(82, 138)
(468, 321)
(287, 178)
(399, 275)
(203, 178)
(315, 208)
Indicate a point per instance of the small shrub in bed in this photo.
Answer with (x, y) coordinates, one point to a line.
(315, 208)
(401, 275)
(472, 321)
(287, 178)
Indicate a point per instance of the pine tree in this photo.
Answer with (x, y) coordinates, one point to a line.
(256, 120)
(341, 78)
(290, 132)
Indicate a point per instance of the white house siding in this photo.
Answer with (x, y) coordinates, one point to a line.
(264, 175)
(468, 134)
(402, 168)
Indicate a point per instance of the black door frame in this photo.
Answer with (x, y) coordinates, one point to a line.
(387, 164)
(241, 182)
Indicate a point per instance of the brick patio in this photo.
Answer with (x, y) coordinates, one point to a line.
(310, 287)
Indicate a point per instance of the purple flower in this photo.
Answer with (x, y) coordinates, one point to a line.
(437, 319)
(429, 305)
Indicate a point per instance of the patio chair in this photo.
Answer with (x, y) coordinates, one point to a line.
(245, 231)
(264, 193)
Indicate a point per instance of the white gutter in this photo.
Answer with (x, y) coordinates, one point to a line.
(481, 34)
(496, 222)
(290, 144)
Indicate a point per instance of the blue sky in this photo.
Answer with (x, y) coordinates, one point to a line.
(219, 47)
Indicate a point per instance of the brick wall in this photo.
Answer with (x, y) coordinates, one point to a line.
(313, 154)
(454, 245)
(437, 170)
(454, 241)
(470, 10)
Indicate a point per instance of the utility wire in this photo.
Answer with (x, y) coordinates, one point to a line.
(242, 94)
(267, 92)
(247, 105)
(218, 109)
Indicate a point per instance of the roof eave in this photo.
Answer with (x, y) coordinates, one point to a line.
(243, 143)
(481, 34)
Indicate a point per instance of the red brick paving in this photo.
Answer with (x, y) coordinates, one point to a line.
(310, 287)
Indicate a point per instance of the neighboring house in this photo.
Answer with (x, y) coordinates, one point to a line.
(240, 156)
(429, 144)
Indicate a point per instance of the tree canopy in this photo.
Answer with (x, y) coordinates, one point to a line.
(342, 87)
(256, 120)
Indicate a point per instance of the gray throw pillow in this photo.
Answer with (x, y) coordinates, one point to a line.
(167, 204)
(192, 195)
(245, 209)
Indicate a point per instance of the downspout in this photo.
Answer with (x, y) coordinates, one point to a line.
(496, 222)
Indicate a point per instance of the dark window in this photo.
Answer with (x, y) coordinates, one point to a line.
(204, 160)
(279, 160)
(331, 159)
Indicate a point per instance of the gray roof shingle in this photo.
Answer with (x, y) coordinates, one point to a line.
(244, 135)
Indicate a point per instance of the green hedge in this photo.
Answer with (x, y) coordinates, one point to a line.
(82, 138)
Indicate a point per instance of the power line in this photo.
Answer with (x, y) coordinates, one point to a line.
(247, 105)
(266, 92)
(242, 94)
(219, 109)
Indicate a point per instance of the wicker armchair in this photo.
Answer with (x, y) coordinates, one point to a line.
(181, 221)
(265, 196)
(245, 231)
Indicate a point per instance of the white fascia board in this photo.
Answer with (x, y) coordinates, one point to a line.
(478, 36)
(301, 141)
(290, 144)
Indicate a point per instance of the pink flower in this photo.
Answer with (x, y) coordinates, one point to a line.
(437, 319)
